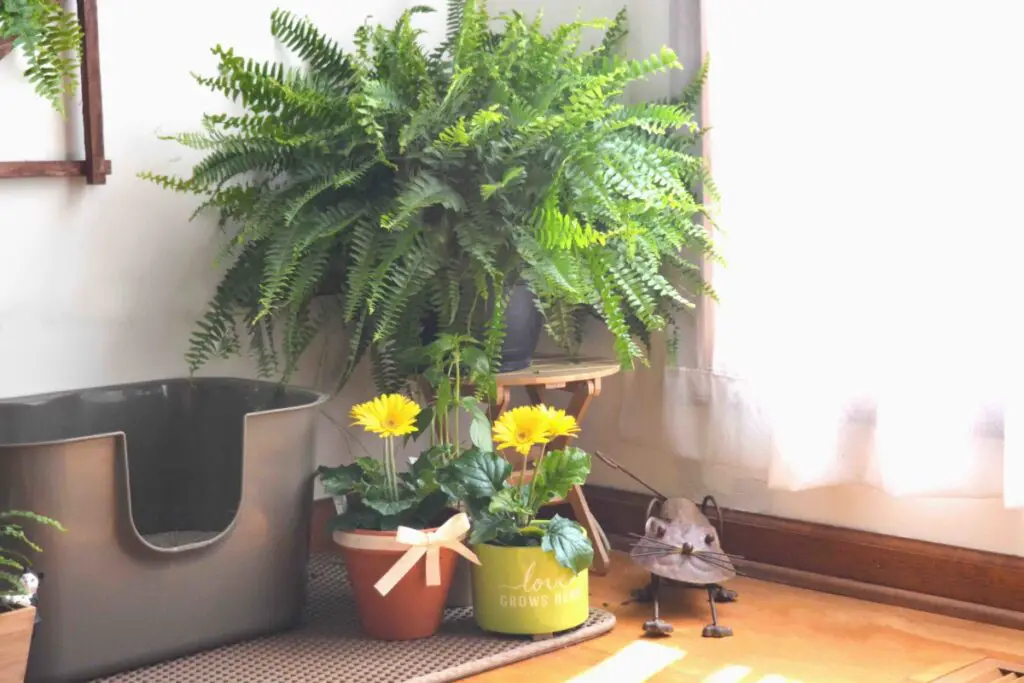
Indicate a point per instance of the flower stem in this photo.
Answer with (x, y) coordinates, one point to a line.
(389, 468)
(458, 399)
(522, 474)
(444, 427)
(536, 469)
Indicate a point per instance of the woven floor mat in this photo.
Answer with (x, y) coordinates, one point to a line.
(329, 647)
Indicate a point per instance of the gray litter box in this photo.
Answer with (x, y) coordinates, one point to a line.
(187, 504)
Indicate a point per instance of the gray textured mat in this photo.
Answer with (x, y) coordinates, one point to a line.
(176, 539)
(329, 647)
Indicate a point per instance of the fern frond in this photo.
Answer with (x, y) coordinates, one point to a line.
(385, 368)
(611, 44)
(456, 12)
(639, 69)
(494, 336)
(51, 40)
(405, 279)
(215, 331)
(609, 305)
(300, 330)
(310, 45)
(690, 97)
(418, 193)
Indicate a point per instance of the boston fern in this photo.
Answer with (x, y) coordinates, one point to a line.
(51, 38)
(602, 195)
(423, 184)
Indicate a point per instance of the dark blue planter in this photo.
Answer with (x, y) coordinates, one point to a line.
(523, 326)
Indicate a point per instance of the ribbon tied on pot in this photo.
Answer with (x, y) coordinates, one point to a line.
(429, 543)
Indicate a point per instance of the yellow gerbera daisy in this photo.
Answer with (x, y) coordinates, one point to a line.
(521, 429)
(559, 422)
(386, 416)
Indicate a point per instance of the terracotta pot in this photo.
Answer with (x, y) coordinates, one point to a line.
(412, 609)
(15, 640)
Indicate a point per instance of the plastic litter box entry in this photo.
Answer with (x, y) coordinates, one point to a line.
(187, 504)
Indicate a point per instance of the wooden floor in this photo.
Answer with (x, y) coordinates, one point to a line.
(782, 635)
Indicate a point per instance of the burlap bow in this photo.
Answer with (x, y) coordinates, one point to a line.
(416, 544)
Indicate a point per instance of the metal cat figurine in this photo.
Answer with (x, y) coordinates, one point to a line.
(681, 545)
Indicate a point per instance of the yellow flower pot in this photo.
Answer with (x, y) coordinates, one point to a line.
(524, 591)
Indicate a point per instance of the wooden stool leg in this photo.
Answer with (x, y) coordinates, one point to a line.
(501, 401)
(580, 509)
(582, 394)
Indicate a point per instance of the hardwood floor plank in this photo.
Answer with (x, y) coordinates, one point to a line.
(783, 634)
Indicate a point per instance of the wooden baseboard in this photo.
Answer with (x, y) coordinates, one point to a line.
(958, 582)
(867, 591)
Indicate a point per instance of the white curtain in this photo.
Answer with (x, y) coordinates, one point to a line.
(870, 160)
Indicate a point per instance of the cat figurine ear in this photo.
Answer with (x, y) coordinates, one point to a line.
(655, 528)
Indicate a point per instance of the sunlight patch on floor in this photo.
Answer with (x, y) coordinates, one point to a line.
(735, 673)
(636, 662)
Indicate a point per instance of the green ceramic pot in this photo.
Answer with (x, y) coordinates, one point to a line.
(524, 591)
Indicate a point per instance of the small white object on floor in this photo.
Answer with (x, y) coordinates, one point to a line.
(29, 586)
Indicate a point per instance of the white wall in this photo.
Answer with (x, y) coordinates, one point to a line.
(100, 285)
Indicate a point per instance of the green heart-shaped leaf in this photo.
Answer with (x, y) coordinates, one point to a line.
(480, 433)
(567, 540)
(340, 481)
(390, 507)
(559, 472)
(487, 527)
(507, 501)
(483, 474)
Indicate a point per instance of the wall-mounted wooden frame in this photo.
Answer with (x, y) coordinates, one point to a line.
(95, 167)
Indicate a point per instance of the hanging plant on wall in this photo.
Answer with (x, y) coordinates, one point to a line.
(51, 39)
